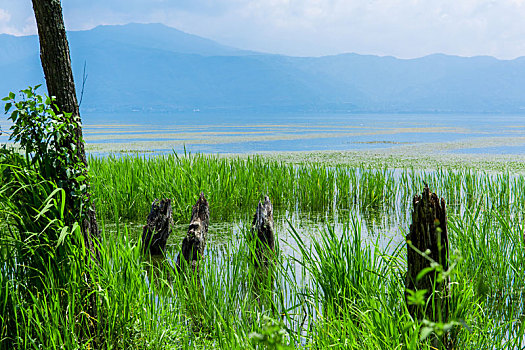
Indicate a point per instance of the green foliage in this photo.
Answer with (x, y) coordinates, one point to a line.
(43, 258)
(41, 263)
(40, 195)
(49, 141)
(271, 336)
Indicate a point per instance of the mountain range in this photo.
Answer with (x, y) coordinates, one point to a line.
(155, 68)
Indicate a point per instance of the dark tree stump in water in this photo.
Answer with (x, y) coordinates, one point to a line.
(195, 241)
(158, 227)
(427, 241)
(263, 224)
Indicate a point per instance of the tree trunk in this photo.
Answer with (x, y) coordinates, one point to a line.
(262, 225)
(56, 63)
(158, 227)
(427, 242)
(195, 241)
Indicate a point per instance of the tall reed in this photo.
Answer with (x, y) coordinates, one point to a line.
(339, 288)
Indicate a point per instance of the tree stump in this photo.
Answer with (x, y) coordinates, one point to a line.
(427, 242)
(195, 241)
(158, 227)
(263, 224)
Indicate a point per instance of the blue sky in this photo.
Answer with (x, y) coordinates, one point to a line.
(402, 28)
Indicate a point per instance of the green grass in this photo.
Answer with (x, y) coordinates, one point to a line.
(126, 186)
(334, 288)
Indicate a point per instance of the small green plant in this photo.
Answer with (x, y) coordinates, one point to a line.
(442, 329)
(42, 199)
(49, 141)
(271, 336)
(43, 188)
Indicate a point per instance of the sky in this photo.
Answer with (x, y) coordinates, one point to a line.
(401, 28)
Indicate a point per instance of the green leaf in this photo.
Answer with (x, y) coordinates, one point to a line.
(8, 106)
(416, 297)
(62, 203)
(423, 272)
(49, 203)
(11, 95)
(62, 236)
(64, 232)
(425, 332)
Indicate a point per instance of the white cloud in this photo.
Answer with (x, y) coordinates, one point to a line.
(404, 28)
(15, 19)
(4, 16)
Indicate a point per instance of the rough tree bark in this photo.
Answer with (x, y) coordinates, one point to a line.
(262, 224)
(428, 234)
(195, 241)
(56, 63)
(158, 227)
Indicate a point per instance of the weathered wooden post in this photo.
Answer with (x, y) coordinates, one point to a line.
(158, 227)
(195, 241)
(427, 244)
(263, 245)
(262, 229)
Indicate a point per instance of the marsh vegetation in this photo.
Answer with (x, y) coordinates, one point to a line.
(338, 277)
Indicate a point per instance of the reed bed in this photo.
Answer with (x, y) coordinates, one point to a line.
(333, 288)
(124, 187)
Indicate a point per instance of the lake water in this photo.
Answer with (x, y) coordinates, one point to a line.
(250, 133)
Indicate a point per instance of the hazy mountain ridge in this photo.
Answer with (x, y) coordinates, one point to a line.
(151, 67)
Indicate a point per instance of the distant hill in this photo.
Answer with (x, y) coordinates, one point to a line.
(151, 67)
